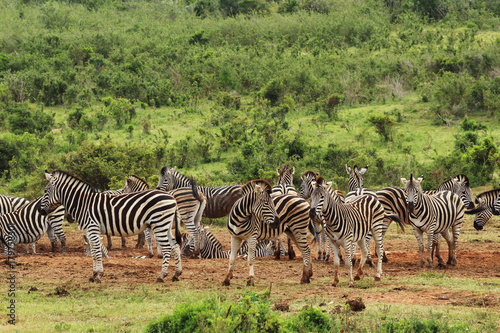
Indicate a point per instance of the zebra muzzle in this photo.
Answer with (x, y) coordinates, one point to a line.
(477, 226)
(410, 206)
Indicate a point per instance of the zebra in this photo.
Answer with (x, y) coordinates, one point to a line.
(284, 186)
(347, 223)
(394, 200)
(9, 204)
(26, 225)
(308, 177)
(123, 215)
(218, 201)
(496, 206)
(258, 216)
(211, 248)
(484, 209)
(355, 177)
(433, 214)
(190, 204)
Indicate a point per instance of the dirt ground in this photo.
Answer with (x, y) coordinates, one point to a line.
(476, 260)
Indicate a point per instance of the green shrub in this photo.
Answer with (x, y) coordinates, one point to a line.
(21, 118)
(309, 320)
(383, 124)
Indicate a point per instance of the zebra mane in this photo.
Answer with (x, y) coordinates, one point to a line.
(163, 170)
(463, 178)
(321, 181)
(248, 187)
(495, 193)
(308, 172)
(138, 179)
(67, 175)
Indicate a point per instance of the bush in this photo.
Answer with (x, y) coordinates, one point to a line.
(384, 126)
(22, 118)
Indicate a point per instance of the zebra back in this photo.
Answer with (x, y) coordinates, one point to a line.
(484, 211)
(219, 200)
(135, 184)
(284, 189)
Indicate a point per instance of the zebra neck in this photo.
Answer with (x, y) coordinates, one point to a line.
(180, 180)
(423, 201)
(75, 202)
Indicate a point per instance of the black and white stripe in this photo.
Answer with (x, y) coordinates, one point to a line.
(433, 214)
(211, 247)
(26, 225)
(484, 210)
(347, 223)
(258, 216)
(122, 215)
(220, 199)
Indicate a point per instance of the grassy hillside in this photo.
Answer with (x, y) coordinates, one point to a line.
(229, 91)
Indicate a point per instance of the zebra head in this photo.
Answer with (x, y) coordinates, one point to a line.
(496, 206)
(165, 182)
(355, 177)
(412, 190)
(461, 187)
(262, 204)
(483, 214)
(285, 175)
(305, 187)
(135, 184)
(319, 198)
(51, 196)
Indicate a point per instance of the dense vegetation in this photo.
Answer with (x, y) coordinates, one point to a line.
(229, 90)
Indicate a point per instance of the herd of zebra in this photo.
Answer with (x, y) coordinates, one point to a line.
(258, 214)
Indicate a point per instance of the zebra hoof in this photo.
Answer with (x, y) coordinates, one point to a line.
(160, 256)
(377, 278)
(351, 285)
(250, 283)
(175, 278)
(357, 278)
(91, 279)
(159, 280)
(226, 282)
(441, 266)
(151, 255)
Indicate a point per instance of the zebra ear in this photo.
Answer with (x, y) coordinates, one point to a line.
(363, 170)
(420, 179)
(278, 171)
(329, 183)
(314, 184)
(404, 181)
(293, 170)
(348, 169)
(48, 175)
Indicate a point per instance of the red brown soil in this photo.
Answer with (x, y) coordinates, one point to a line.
(476, 260)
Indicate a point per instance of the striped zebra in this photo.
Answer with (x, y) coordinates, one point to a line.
(26, 225)
(123, 215)
(394, 201)
(434, 214)
(284, 185)
(211, 248)
(218, 200)
(9, 204)
(347, 223)
(258, 216)
(190, 204)
(305, 192)
(496, 206)
(484, 209)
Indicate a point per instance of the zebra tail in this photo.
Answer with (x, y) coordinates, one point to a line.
(178, 236)
(312, 229)
(397, 220)
(194, 188)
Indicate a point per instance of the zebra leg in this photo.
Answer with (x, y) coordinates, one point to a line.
(379, 250)
(140, 240)
(336, 261)
(252, 244)
(56, 228)
(197, 225)
(162, 240)
(95, 247)
(456, 233)
(369, 257)
(420, 239)
(175, 248)
(430, 239)
(277, 248)
(435, 247)
(348, 245)
(364, 255)
(291, 252)
(353, 253)
(124, 243)
(158, 248)
(235, 245)
(300, 239)
(33, 248)
(108, 237)
(147, 235)
(449, 241)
